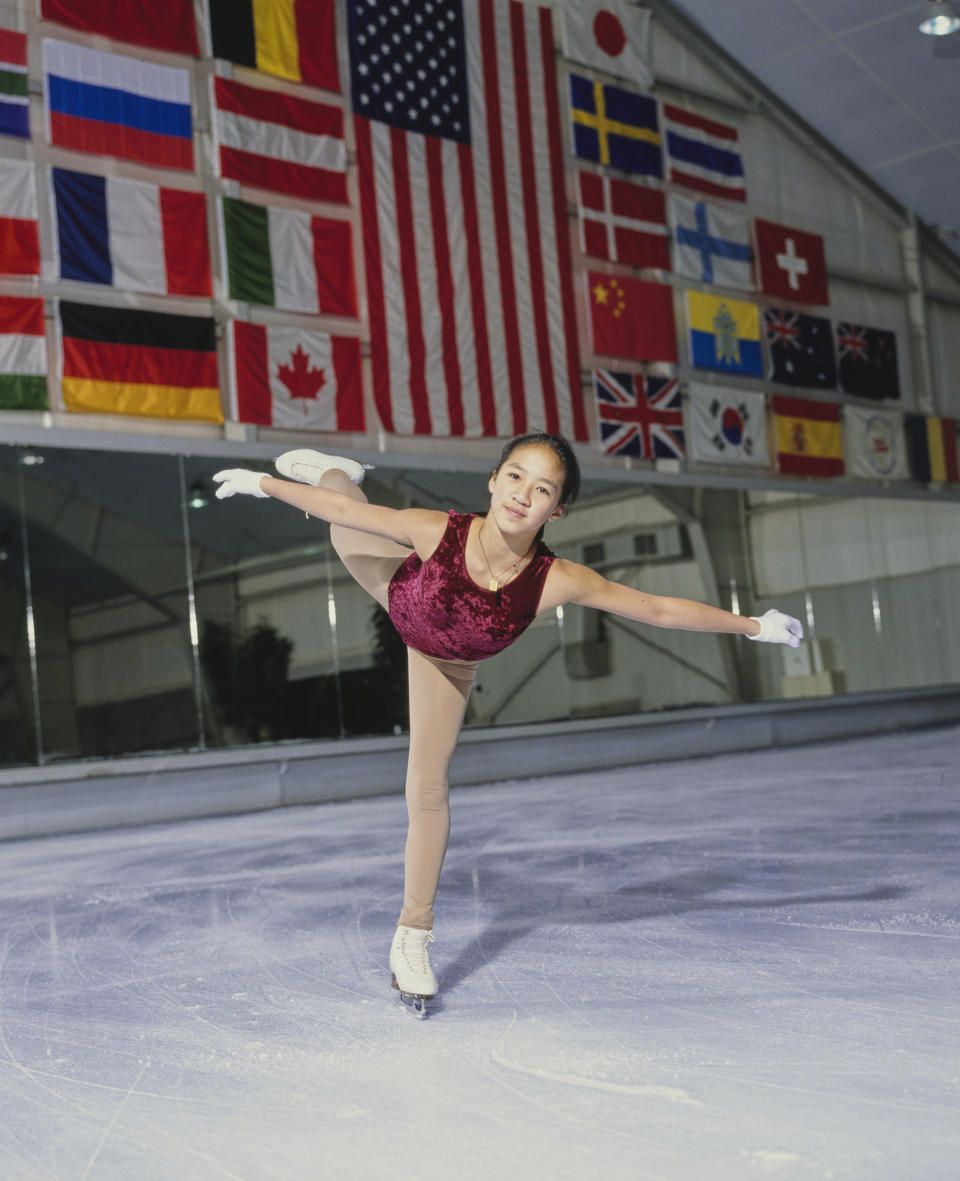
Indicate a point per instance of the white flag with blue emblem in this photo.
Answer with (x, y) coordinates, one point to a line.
(874, 444)
(711, 244)
(727, 426)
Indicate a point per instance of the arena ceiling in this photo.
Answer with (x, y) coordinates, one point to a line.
(861, 74)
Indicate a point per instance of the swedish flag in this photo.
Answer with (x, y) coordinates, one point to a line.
(615, 127)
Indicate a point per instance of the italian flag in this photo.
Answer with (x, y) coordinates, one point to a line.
(286, 258)
(296, 378)
(23, 354)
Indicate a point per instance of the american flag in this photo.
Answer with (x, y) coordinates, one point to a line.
(639, 416)
(463, 207)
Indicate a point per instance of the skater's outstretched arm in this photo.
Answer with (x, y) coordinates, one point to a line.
(421, 529)
(570, 582)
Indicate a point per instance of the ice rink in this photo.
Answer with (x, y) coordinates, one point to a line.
(739, 967)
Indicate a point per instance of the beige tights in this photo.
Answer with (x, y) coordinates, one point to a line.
(438, 694)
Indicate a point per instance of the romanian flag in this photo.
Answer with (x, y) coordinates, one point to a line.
(14, 100)
(292, 39)
(724, 334)
(158, 24)
(932, 449)
(113, 105)
(23, 354)
(152, 364)
(808, 437)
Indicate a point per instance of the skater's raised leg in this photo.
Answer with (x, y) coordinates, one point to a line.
(372, 561)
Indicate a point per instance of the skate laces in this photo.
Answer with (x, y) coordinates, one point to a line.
(420, 943)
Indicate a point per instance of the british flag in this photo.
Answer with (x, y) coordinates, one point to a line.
(639, 416)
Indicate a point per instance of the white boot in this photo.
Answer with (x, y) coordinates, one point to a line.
(307, 466)
(410, 965)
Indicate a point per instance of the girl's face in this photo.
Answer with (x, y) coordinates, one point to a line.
(525, 490)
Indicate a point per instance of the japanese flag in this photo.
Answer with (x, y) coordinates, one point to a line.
(296, 378)
(612, 36)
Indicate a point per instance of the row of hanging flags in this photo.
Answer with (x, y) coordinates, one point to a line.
(647, 417)
(460, 167)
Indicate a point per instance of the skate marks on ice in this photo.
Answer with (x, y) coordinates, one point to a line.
(734, 968)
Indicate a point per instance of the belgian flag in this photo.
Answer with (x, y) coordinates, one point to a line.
(151, 364)
(932, 449)
(292, 39)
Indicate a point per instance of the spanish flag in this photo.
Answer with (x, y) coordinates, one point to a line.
(151, 364)
(932, 449)
(808, 437)
(292, 39)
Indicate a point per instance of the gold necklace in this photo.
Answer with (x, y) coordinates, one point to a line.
(510, 570)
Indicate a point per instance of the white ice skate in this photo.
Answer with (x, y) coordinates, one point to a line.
(306, 466)
(410, 964)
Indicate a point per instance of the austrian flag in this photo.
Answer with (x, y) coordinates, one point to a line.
(274, 141)
(296, 378)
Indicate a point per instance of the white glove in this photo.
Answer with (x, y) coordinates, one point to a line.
(775, 627)
(238, 479)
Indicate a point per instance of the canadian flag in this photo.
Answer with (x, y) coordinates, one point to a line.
(296, 378)
(612, 36)
(791, 263)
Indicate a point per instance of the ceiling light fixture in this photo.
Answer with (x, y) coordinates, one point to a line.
(940, 20)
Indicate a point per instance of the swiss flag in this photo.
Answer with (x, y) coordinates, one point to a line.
(631, 318)
(791, 263)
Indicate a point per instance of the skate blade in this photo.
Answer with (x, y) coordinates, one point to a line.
(414, 1001)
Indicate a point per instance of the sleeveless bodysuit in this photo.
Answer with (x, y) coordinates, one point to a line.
(440, 611)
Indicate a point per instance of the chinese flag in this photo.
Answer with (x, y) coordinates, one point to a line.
(631, 318)
(791, 263)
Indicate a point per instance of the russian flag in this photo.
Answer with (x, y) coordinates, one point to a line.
(113, 105)
(131, 234)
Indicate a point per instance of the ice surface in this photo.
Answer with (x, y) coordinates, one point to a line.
(738, 967)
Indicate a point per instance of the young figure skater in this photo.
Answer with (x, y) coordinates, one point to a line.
(459, 588)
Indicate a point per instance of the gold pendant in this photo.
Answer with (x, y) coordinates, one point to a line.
(494, 585)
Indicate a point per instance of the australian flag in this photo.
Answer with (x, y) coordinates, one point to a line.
(867, 360)
(639, 416)
(800, 348)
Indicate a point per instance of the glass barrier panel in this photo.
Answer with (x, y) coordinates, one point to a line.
(18, 721)
(107, 562)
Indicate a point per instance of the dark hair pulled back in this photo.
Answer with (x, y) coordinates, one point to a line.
(563, 451)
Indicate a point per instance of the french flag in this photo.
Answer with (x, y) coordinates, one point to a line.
(131, 234)
(113, 105)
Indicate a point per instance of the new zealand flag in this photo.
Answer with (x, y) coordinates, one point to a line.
(867, 360)
(800, 348)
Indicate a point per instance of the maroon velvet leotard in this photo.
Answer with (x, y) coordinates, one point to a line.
(438, 609)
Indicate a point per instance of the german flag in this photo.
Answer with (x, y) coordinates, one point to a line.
(808, 436)
(151, 364)
(932, 449)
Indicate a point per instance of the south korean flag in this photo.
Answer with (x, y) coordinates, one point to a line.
(728, 426)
